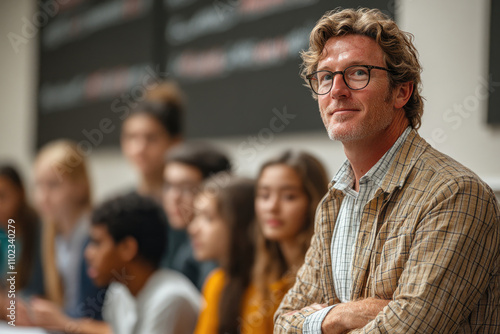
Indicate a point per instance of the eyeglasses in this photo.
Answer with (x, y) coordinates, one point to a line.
(184, 189)
(356, 77)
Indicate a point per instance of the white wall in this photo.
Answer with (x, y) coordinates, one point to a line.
(17, 85)
(451, 36)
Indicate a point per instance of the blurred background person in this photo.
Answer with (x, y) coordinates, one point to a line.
(289, 189)
(63, 200)
(186, 166)
(149, 131)
(14, 205)
(128, 237)
(222, 230)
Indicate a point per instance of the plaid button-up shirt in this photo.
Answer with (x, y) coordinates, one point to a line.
(349, 217)
(429, 241)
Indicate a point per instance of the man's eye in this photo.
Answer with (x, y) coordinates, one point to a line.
(325, 77)
(360, 73)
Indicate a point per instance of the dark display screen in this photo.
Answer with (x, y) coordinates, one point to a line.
(236, 61)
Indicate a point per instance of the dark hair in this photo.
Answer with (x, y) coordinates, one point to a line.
(26, 224)
(138, 217)
(202, 156)
(235, 205)
(10, 173)
(165, 104)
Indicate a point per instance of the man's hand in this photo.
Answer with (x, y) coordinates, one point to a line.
(352, 315)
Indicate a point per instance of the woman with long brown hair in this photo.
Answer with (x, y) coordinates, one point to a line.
(242, 296)
(20, 241)
(288, 191)
(222, 230)
(14, 206)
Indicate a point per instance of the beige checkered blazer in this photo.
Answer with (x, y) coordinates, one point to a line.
(429, 241)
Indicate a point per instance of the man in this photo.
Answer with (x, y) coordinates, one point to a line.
(406, 239)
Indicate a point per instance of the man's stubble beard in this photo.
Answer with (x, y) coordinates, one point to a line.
(368, 127)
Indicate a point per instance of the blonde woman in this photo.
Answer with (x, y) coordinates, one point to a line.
(63, 201)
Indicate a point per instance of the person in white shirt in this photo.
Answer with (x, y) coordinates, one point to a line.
(127, 240)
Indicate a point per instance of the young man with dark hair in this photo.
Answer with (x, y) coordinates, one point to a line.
(128, 237)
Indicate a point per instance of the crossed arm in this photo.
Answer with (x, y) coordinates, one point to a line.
(347, 316)
(452, 262)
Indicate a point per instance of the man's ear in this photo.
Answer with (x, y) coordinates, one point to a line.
(127, 249)
(403, 94)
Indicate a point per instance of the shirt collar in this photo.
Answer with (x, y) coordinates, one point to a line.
(344, 178)
(410, 152)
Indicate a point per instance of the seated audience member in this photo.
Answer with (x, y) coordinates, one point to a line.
(25, 246)
(222, 231)
(289, 189)
(62, 197)
(186, 166)
(148, 131)
(407, 240)
(128, 238)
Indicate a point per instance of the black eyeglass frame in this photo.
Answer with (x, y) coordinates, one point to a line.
(310, 77)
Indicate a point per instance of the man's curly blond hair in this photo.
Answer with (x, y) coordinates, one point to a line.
(400, 54)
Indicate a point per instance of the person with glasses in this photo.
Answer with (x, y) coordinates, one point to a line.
(407, 240)
(186, 166)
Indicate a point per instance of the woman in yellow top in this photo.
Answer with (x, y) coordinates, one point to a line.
(222, 231)
(288, 190)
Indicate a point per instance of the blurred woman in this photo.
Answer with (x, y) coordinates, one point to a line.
(13, 205)
(289, 189)
(62, 198)
(149, 131)
(26, 244)
(222, 230)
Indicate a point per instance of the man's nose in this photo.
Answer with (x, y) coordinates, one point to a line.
(339, 88)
